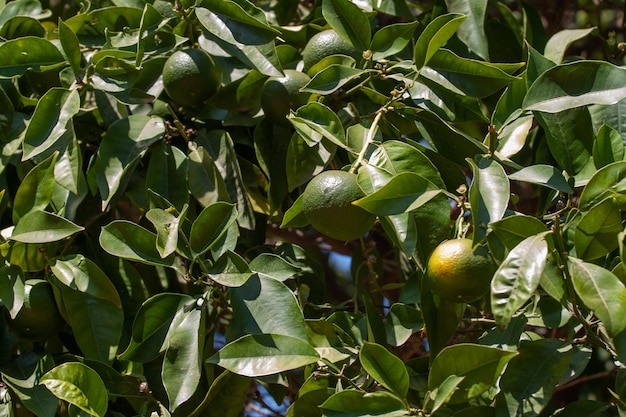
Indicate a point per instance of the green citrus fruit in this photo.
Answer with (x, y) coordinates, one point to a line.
(38, 319)
(458, 272)
(191, 76)
(282, 94)
(327, 204)
(323, 44)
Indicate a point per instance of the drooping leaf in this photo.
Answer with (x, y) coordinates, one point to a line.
(576, 84)
(517, 278)
(559, 42)
(545, 175)
(385, 368)
(257, 355)
(481, 366)
(36, 189)
(602, 292)
(39, 226)
(79, 385)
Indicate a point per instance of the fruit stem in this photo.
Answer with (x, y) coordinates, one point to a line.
(177, 123)
(368, 141)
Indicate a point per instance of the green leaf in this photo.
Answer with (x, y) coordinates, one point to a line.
(247, 26)
(130, 241)
(273, 266)
(211, 224)
(49, 123)
(36, 189)
(167, 175)
(347, 19)
(12, 288)
(40, 226)
(507, 233)
(226, 396)
(71, 46)
(576, 84)
(125, 141)
(182, 364)
(488, 194)
(608, 146)
(405, 192)
(517, 278)
(92, 305)
(79, 385)
(167, 227)
(230, 270)
(257, 355)
(304, 161)
(315, 121)
(265, 305)
(386, 368)
(392, 39)
(152, 323)
(531, 377)
(472, 31)
(294, 216)
(442, 394)
(608, 181)
(602, 292)
(205, 182)
(18, 55)
(596, 233)
(481, 367)
(545, 175)
(352, 403)
(331, 79)
(559, 42)
(402, 322)
(436, 34)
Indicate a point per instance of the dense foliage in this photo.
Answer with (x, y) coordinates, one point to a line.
(173, 235)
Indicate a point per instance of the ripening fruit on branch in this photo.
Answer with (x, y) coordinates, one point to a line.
(325, 43)
(191, 76)
(327, 204)
(459, 272)
(282, 94)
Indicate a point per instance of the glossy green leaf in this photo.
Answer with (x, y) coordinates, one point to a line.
(152, 323)
(440, 319)
(386, 368)
(391, 39)
(257, 355)
(576, 84)
(29, 8)
(91, 27)
(227, 32)
(271, 143)
(472, 31)
(39, 226)
(473, 77)
(71, 46)
(18, 55)
(12, 288)
(22, 26)
(230, 270)
(611, 115)
(359, 403)
(545, 175)
(49, 122)
(559, 42)
(182, 364)
(167, 175)
(602, 292)
(517, 278)
(79, 385)
(205, 182)
(92, 305)
(570, 138)
(402, 322)
(609, 181)
(125, 141)
(273, 266)
(294, 216)
(608, 146)
(405, 192)
(347, 19)
(36, 189)
(265, 305)
(315, 121)
(304, 161)
(211, 224)
(434, 36)
(130, 241)
(488, 194)
(442, 394)
(226, 396)
(532, 376)
(331, 79)
(481, 366)
(596, 233)
(248, 26)
(167, 227)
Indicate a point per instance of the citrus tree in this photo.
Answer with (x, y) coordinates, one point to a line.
(312, 208)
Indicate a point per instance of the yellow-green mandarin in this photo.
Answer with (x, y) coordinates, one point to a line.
(459, 272)
(327, 204)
